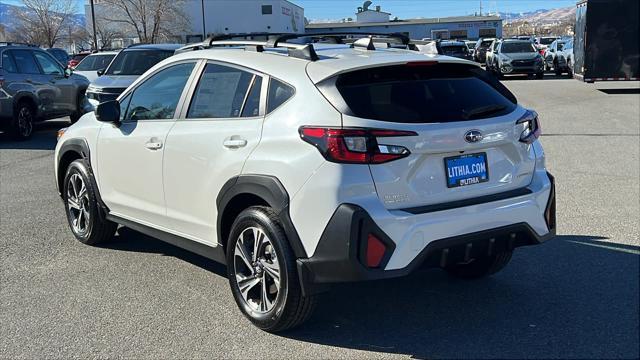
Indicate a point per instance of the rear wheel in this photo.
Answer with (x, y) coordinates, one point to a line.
(262, 272)
(481, 267)
(556, 67)
(22, 122)
(87, 223)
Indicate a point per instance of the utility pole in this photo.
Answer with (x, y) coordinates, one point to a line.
(204, 30)
(480, 7)
(93, 25)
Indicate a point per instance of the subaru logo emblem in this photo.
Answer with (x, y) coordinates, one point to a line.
(473, 136)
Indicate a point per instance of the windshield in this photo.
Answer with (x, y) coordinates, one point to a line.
(136, 62)
(95, 62)
(547, 41)
(424, 94)
(517, 47)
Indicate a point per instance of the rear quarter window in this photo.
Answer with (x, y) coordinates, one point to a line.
(425, 94)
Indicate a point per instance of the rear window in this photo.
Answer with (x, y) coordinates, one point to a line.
(136, 62)
(454, 49)
(425, 94)
(94, 62)
(547, 41)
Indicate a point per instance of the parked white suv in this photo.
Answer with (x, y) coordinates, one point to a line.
(303, 165)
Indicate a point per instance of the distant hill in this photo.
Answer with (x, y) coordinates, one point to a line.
(542, 16)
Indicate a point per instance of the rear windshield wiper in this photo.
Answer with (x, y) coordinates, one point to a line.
(482, 111)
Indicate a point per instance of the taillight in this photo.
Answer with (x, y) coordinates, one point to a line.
(532, 130)
(355, 145)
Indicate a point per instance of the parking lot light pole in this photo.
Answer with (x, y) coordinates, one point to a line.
(93, 25)
(204, 31)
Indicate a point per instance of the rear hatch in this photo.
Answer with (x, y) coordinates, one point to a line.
(464, 140)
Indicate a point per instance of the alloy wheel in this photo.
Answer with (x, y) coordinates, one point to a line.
(257, 270)
(78, 204)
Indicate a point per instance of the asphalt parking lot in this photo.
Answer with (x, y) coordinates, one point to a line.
(576, 296)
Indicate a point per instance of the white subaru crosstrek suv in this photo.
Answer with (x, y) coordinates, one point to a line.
(303, 165)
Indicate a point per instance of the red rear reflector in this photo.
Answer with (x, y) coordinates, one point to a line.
(375, 251)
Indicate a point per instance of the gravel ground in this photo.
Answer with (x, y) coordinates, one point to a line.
(574, 297)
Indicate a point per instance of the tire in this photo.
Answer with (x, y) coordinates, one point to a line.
(285, 307)
(540, 76)
(569, 69)
(557, 69)
(22, 123)
(482, 267)
(84, 216)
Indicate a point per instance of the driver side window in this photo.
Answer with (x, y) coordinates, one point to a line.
(48, 64)
(157, 97)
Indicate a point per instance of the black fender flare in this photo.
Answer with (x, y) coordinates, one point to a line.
(271, 190)
(22, 95)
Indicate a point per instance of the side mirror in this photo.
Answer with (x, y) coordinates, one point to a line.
(108, 111)
(100, 72)
(68, 72)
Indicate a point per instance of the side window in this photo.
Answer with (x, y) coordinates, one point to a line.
(220, 93)
(157, 97)
(7, 62)
(25, 62)
(48, 64)
(252, 104)
(124, 105)
(267, 10)
(279, 92)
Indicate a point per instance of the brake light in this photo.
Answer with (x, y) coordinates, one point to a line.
(532, 130)
(375, 251)
(355, 145)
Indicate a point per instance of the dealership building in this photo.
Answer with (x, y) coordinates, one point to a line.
(377, 21)
(206, 17)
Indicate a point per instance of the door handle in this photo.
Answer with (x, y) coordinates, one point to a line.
(234, 143)
(153, 145)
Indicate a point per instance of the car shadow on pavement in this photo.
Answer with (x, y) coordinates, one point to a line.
(131, 240)
(622, 91)
(43, 138)
(574, 297)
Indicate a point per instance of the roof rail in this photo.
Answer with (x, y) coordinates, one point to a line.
(304, 50)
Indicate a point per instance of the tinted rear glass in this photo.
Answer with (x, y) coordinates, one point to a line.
(547, 41)
(454, 49)
(425, 94)
(136, 62)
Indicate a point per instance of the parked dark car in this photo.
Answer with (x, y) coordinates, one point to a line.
(125, 68)
(564, 59)
(60, 54)
(456, 49)
(518, 57)
(34, 86)
(480, 53)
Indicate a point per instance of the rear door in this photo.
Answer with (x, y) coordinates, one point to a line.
(467, 140)
(220, 126)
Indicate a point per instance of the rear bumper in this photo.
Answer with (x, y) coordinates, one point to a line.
(341, 252)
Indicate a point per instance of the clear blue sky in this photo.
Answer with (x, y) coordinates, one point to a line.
(337, 9)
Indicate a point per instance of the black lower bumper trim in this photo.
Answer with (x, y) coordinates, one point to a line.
(469, 202)
(337, 257)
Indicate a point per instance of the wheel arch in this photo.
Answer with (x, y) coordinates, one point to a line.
(71, 150)
(244, 191)
(30, 99)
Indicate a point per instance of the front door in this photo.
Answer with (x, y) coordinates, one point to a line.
(130, 154)
(64, 100)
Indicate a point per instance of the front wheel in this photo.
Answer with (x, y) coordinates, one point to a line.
(482, 267)
(87, 223)
(262, 272)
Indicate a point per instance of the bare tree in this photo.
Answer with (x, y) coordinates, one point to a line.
(152, 20)
(42, 21)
